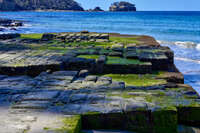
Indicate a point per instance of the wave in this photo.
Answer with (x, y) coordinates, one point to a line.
(185, 44)
(17, 29)
(198, 47)
(187, 59)
(197, 72)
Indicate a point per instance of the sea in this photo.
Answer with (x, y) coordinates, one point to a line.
(178, 30)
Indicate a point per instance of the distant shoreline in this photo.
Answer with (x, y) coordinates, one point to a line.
(88, 11)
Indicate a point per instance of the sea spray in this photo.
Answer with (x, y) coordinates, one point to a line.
(198, 47)
(187, 59)
(185, 44)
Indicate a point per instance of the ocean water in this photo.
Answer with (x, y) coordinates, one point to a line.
(178, 30)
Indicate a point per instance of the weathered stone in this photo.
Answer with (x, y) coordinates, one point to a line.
(31, 105)
(132, 55)
(41, 96)
(48, 37)
(131, 46)
(66, 73)
(91, 78)
(117, 85)
(83, 73)
(28, 119)
(64, 97)
(133, 106)
(78, 98)
(118, 54)
(9, 36)
(71, 109)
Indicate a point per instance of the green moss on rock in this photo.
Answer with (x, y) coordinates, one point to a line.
(103, 44)
(189, 115)
(137, 80)
(89, 56)
(123, 61)
(31, 36)
(165, 120)
(71, 124)
(125, 40)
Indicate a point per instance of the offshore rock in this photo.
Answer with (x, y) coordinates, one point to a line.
(122, 6)
(10, 23)
(96, 9)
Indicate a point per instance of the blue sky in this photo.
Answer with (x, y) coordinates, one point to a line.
(148, 5)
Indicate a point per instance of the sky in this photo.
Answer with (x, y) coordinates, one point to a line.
(148, 5)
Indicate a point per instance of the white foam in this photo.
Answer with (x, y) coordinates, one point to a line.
(26, 25)
(198, 47)
(185, 44)
(186, 59)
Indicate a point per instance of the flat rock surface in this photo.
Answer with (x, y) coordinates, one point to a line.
(29, 101)
(44, 86)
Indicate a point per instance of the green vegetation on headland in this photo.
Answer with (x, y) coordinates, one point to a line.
(21, 5)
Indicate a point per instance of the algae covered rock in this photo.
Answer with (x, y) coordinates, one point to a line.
(118, 84)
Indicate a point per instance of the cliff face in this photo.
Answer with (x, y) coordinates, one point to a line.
(122, 6)
(16, 5)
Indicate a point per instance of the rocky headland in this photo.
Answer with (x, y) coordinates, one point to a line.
(19, 5)
(66, 82)
(58, 5)
(122, 6)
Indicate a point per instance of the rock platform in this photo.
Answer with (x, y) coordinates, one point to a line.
(56, 87)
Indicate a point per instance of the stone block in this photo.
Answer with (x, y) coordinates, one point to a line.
(189, 115)
(41, 96)
(31, 105)
(165, 120)
(48, 37)
(9, 36)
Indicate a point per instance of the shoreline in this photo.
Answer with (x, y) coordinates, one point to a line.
(92, 11)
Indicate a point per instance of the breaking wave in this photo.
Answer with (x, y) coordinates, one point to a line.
(198, 47)
(185, 44)
(187, 59)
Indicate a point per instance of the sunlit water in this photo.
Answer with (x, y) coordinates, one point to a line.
(178, 30)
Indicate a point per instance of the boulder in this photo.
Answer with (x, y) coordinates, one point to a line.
(48, 37)
(8, 36)
(10, 23)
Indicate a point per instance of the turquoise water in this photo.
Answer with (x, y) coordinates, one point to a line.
(178, 30)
